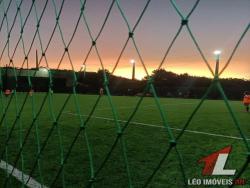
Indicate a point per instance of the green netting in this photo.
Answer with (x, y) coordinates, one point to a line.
(9, 51)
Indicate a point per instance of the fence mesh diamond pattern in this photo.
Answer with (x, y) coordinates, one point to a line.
(18, 17)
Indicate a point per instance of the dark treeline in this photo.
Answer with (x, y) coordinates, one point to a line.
(183, 85)
(167, 84)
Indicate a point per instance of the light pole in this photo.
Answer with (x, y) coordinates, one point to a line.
(83, 68)
(132, 61)
(217, 56)
(37, 66)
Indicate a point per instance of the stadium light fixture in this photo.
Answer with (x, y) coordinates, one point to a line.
(132, 61)
(217, 52)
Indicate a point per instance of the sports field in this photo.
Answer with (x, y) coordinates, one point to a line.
(145, 137)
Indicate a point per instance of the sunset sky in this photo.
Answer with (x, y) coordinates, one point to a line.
(216, 24)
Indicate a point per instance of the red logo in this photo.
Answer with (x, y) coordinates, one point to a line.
(215, 163)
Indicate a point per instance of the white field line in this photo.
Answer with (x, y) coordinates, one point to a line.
(158, 126)
(130, 107)
(20, 176)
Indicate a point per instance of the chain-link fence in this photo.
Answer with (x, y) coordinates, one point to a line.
(13, 42)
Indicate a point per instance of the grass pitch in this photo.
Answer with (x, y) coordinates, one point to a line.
(146, 139)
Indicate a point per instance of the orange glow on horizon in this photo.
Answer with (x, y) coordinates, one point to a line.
(124, 68)
(194, 69)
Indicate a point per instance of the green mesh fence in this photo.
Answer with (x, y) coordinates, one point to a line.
(14, 40)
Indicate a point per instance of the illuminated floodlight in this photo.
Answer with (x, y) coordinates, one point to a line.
(217, 52)
(217, 55)
(132, 61)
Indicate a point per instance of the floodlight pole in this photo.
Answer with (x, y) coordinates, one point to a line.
(133, 73)
(6, 77)
(84, 70)
(37, 66)
(133, 68)
(217, 56)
